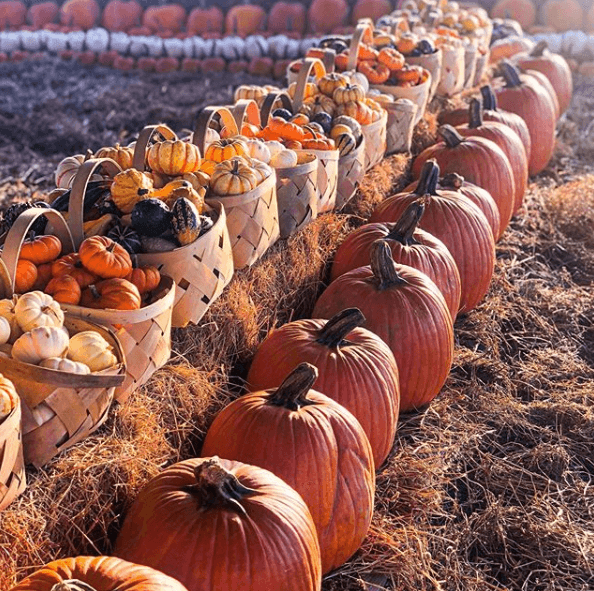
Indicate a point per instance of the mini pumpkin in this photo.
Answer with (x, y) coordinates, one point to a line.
(330, 82)
(8, 312)
(40, 343)
(42, 249)
(90, 348)
(224, 149)
(26, 276)
(284, 159)
(173, 157)
(104, 257)
(4, 330)
(145, 278)
(123, 155)
(112, 294)
(129, 187)
(35, 309)
(345, 143)
(67, 365)
(9, 399)
(71, 265)
(181, 188)
(64, 289)
(233, 177)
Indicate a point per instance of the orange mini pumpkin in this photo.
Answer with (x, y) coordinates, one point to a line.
(104, 257)
(112, 294)
(145, 278)
(71, 265)
(286, 129)
(42, 249)
(226, 148)
(26, 276)
(173, 157)
(64, 289)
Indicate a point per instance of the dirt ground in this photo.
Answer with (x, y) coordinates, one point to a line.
(489, 488)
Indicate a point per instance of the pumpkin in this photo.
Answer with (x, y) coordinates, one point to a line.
(351, 123)
(264, 531)
(123, 155)
(523, 11)
(225, 149)
(145, 278)
(168, 17)
(81, 14)
(173, 157)
(233, 177)
(284, 159)
(508, 47)
(478, 160)
(562, 15)
(185, 220)
(203, 20)
(8, 312)
(459, 224)
(527, 98)
(507, 139)
(42, 249)
(182, 188)
(64, 289)
(128, 188)
(112, 294)
(356, 369)
(318, 103)
(104, 257)
(71, 265)
(356, 110)
(67, 365)
(245, 19)
(261, 170)
(286, 18)
(373, 9)
(376, 72)
(44, 275)
(26, 276)
(259, 150)
(310, 430)
(330, 82)
(90, 348)
(5, 330)
(40, 343)
(554, 67)
(286, 129)
(121, 15)
(35, 309)
(151, 217)
(410, 246)
(9, 399)
(405, 309)
(323, 16)
(546, 84)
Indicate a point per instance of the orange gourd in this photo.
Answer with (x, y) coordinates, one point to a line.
(82, 14)
(112, 294)
(104, 257)
(121, 15)
(64, 289)
(43, 249)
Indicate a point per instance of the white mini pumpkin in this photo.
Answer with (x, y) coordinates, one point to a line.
(8, 397)
(35, 309)
(274, 147)
(7, 311)
(284, 159)
(90, 348)
(212, 135)
(40, 343)
(62, 364)
(259, 150)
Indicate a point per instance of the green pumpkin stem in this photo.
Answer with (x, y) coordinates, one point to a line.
(452, 180)
(539, 49)
(475, 114)
(427, 184)
(510, 74)
(489, 98)
(406, 226)
(450, 136)
(383, 266)
(72, 585)
(292, 393)
(334, 333)
(218, 487)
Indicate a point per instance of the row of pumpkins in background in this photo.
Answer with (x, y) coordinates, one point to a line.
(326, 392)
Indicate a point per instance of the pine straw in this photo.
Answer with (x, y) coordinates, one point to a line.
(489, 488)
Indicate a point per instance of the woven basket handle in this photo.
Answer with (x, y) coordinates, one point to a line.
(17, 235)
(356, 40)
(329, 59)
(269, 102)
(204, 119)
(144, 138)
(309, 65)
(78, 190)
(245, 111)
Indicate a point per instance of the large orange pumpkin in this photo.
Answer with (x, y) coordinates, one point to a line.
(460, 225)
(316, 446)
(121, 15)
(82, 14)
(356, 369)
(373, 9)
(42, 14)
(405, 309)
(12, 14)
(410, 246)
(523, 11)
(205, 20)
(325, 15)
(169, 17)
(217, 524)
(562, 15)
(287, 17)
(245, 19)
(100, 573)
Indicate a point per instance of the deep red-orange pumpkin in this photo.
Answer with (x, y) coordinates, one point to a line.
(217, 524)
(460, 225)
(101, 573)
(546, 84)
(287, 17)
(316, 446)
(82, 14)
(478, 160)
(410, 246)
(373, 9)
(245, 19)
(206, 20)
(507, 139)
(554, 67)
(121, 15)
(325, 15)
(169, 17)
(527, 98)
(12, 14)
(42, 14)
(406, 309)
(356, 368)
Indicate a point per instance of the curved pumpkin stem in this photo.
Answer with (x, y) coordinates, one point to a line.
(292, 393)
(539, 49)
(218, 487)
(407, 224)
(452, 180)
(427, 184)
(450, 136)
(72, 585)
(475, 114)
(489, 98)
(510, 74)
(383, 266)
(334, 333)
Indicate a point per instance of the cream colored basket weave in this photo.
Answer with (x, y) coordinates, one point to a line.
(451, 81)
(351, 170)
(432, 63)
(401, 124)
(471, 54)
(12, 464)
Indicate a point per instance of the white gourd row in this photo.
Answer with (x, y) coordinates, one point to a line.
(572, 44)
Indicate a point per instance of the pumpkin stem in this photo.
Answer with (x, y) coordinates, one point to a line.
(88, 155)
(450, 136)
(334, 333)
(94, 291)
(292, 393)
(406, 226)
(427, 184)
(489, 98)
(475, 114)
(72, 585)
(218, 487)
(453, 180)
(510, 74)
(383, 266)
(539, 49)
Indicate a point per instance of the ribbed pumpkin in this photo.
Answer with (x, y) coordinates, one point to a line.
(123, 155)
(173, 157)
(356, 368)
(405, 309)
(554, 67)
(478, 160)
(97, 573)
(316, 446)
(562, 15)
(524, 96)
(128, 188)
(546, 84)
(217, 524)
(112, 294)
(460, 225)
(507, 139)
(410, 246)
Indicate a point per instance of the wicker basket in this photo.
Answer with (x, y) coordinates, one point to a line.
(375, 141)
(471, 54)
(12, 464)
(451, 81)
(327, 59)
(482, 63)
(432, 63)
(252, 217)
(351, 170)
(401, 123)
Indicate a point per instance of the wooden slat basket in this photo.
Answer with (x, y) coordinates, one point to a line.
(401, 122)
(12, 464)
(451, 81)
(432, 63)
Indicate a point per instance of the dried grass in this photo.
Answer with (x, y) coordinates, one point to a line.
(489, 488)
